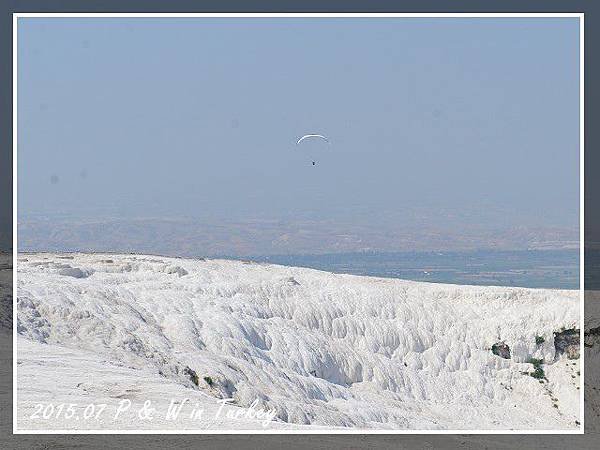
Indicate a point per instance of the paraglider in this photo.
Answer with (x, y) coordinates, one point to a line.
(312, 136)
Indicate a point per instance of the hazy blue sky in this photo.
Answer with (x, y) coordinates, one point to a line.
(199, 117)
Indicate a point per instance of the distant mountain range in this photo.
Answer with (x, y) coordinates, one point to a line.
(195, 237)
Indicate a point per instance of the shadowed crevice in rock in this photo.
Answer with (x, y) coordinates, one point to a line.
(501, 349)
(567, 342)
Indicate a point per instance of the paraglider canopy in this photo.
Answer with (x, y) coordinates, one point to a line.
(309, 136)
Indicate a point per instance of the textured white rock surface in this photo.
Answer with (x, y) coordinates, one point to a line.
(321, 349)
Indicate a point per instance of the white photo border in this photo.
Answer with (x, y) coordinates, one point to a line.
(580, 16)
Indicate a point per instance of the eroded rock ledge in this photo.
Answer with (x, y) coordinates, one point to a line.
(567, 342)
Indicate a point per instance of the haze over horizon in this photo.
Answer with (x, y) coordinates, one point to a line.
(444, 132)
